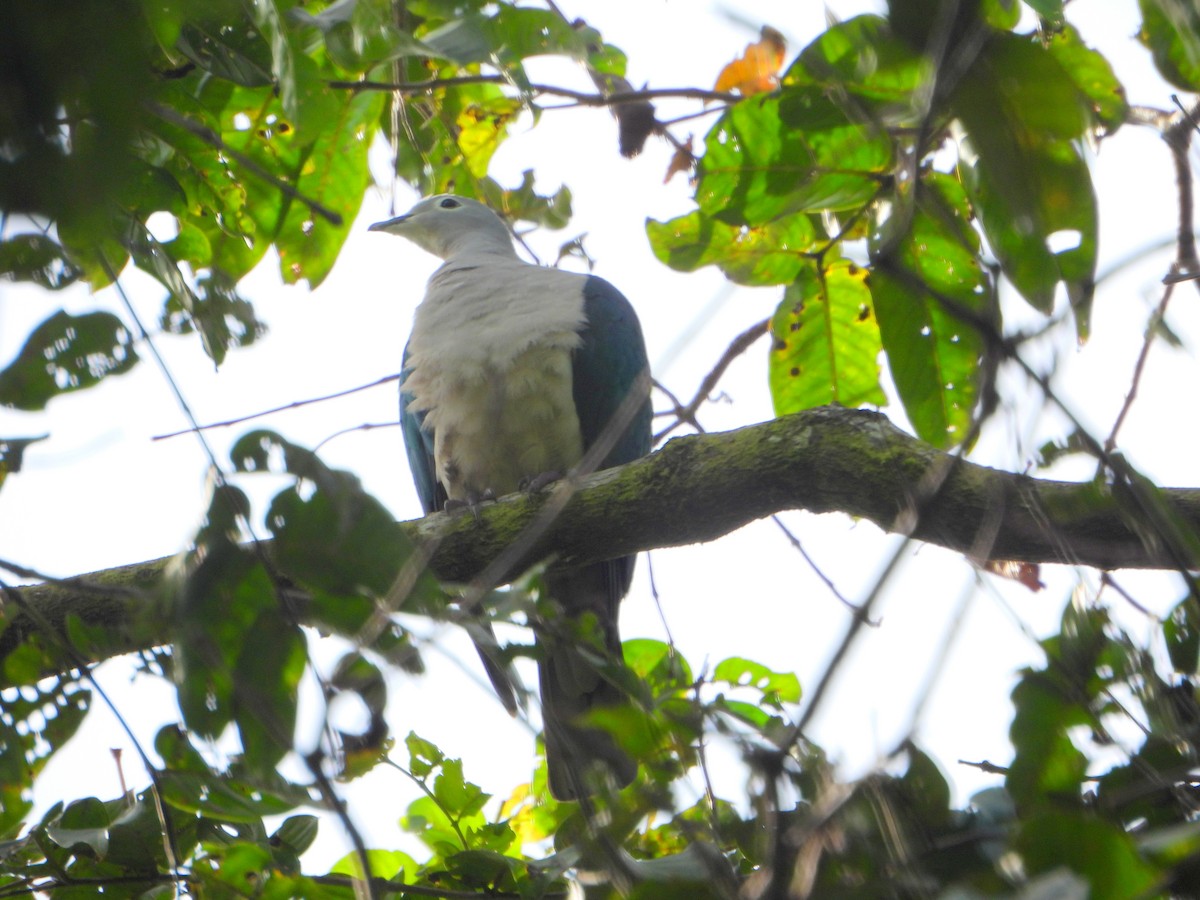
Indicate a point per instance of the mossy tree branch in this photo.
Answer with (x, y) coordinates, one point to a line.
(700, 487)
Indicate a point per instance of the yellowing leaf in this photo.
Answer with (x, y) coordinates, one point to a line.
(756, 70)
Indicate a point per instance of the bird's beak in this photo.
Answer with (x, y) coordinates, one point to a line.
(388, 224)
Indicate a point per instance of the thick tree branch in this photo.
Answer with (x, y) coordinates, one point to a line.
(700, 487)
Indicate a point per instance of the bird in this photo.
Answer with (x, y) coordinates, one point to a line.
(512, 373)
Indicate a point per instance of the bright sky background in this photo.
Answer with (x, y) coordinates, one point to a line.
(99, 493)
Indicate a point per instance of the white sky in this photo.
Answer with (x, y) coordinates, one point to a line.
(99, 493)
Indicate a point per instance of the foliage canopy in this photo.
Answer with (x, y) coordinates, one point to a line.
(888, 181)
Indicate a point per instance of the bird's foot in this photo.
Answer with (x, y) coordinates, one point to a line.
(473, 501)
(534, 483)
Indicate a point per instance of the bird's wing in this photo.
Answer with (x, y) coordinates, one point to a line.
(607, 366)
(418, 444)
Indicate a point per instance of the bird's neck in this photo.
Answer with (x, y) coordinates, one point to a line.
(474, 245)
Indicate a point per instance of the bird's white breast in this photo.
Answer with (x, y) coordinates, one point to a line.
(490, 366)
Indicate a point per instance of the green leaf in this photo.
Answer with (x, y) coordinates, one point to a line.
(37, 258)
(239, 55)
(511, 35)
(429, 822)
(361, 35)
(333, 172)
(927, 285)
(1050, 10)
(35, 723)
(1004, 14)
(825, 341)
(219, 602)
(1100, 852)
(482, 127)
(1138, 789)
(1181, 631)
(1033, 191)
(152, 257)
(749, 713)
(338, 539)
(1092, 74)
(82, 827)
(457, 796)
(216, 310)
(266, 683)
(924, 789)
(863, 57)
(775, 687)
(770, 254)
(135, 836)
(227, 798)
(423, 756)
(364, 748)
(384, 863)
(524, 204)
(66, 353)
(769, 157)
(657, 664)
(1171, 30)
(297, 832)
(1047, 766)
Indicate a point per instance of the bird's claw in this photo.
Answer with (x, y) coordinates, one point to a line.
(473, 501)
(534, 483)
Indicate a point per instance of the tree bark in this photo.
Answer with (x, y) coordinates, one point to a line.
(698, 488)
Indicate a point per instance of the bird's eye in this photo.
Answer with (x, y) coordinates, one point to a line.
(449, 203)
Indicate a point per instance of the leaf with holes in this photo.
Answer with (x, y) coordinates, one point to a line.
(775, 687)
(35, 723)
(825, 341)
(37, 258)
(66, 353)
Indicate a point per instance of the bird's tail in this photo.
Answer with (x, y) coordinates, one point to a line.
(580, 759)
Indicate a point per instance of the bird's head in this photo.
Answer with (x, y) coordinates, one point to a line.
(447, 225)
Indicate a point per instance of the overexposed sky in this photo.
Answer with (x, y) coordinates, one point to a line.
(100, 493)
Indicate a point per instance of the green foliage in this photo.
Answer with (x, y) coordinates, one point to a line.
(905, 165)
(826, 341)
(66, 353)
(1171, 31)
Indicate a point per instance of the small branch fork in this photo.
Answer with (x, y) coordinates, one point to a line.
(686, 413)
(1177, 133)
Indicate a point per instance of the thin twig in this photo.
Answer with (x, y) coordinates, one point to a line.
(799, 548)
(296, 404)
(368, 885)
(583, 98)
(1178, 138)
(736, 348)
(1139, 367)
